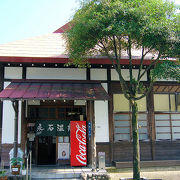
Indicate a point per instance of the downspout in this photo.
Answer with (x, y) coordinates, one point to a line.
(15, 107)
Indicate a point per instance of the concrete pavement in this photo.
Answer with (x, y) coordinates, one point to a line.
(164, 173)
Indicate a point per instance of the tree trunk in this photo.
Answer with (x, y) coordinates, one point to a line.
(135, 132)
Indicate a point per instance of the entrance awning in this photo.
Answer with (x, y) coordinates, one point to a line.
(54, 90)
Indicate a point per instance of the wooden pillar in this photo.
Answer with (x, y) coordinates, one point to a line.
(23, 126)
(151, 120)
(89, 160)
(1, 88)
(15, 106)
(23, 118)
(1, 103)
(93, 137)
(92, 159)
(110, 112)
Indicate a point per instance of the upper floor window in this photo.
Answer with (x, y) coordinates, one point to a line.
(166, 103)
(121, 104)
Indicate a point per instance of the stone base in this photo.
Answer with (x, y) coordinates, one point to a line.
(101, 175)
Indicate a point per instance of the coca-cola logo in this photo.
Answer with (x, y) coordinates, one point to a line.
(81, 137)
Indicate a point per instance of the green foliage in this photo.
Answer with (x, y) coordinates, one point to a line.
(16, 161)
(23, 166)
(113, 28)
(166, 70)
(2, 173)
(145, 22)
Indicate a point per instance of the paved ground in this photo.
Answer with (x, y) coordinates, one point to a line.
(164, 173)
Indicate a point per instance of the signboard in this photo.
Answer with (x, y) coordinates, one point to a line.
(89, 129)
(63, 151)
(78, 143)
(31, 136)
(52, 128)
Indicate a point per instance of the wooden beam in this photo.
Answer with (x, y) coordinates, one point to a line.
(24, 72)
(88, 74)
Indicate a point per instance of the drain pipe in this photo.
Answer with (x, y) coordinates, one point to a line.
(15, 107)
(29, 165)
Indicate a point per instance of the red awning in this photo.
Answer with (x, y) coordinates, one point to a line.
(54, 90)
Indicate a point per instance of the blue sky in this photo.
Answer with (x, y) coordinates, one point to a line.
(21, 19)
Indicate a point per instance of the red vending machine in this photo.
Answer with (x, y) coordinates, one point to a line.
(78, 143)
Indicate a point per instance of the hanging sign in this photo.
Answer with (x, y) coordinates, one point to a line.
(52, 128)
(78, 143)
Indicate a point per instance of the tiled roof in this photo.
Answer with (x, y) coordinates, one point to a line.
(54, 89)
(64, 28)
(51, 48)
(50, 45)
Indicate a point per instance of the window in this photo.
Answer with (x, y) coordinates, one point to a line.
(161, 102)
(167, 118)
(166, 103)
(61, 113)
(122, 118)
(121, 104)
(167, 126)
(122, 126)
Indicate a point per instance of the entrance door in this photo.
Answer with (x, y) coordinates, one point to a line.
(46, 150)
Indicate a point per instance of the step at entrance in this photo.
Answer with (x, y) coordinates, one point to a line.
(47, 173)
(56, 175)
(54, 179)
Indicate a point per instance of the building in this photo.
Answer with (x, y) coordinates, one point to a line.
(47, 91)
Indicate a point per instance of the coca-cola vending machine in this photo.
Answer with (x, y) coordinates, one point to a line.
(78, 143)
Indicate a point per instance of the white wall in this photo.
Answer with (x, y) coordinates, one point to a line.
(102, 119)
(56, 73)
(13, 73)
(101, 107)
(125, 74)
(166, 80)
(8, 121)
(98, 74)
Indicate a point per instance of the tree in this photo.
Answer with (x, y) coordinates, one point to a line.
(114, 28)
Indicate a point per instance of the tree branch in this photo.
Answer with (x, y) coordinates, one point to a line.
(130, 58)
(152, 64)
(141, 63)
(145, 93)
(122, 81)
